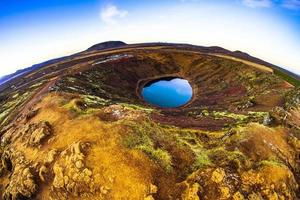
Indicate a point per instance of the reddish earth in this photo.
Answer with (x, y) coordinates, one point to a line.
(203, 123)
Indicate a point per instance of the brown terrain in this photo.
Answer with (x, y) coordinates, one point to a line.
(78, 128)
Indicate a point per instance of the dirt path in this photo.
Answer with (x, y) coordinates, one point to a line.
(35, 99)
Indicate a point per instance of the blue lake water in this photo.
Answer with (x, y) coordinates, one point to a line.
(168, 93)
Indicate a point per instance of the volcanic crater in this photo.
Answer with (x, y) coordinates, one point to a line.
(78, 127)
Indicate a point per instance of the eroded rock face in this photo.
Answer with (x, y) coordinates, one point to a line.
(33, 134)
(79, 129)
(269, 181)
(71, 176)
(5, 164)
(37, 133)
(22, 183)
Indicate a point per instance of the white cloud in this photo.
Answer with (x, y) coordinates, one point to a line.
(257, 3)
(291, 4)
(111, 13)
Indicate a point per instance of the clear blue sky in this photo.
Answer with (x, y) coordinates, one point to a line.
(33, 31)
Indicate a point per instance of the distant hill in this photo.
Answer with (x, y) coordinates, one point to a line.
(106, 45)
(20, 72)
(96, 47)
(290, 76)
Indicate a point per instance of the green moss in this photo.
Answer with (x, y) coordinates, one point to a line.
(202, 160)
(212, 152)
(219, 156)
(36, 85)
(3, 115)
(205, 113)
(251, 76)
(72, 79)
(258, 114)
(241, 118)
(287, 77)
(74, 106)
(11, 105)
(159, 156)
(187, 138)
(136, 107)
(236, 134)
(292, 98)
(86, 104)
(238, 117)
(272, 163)
(94, 101)
(73, 89)
(15, 95)
(141, 138)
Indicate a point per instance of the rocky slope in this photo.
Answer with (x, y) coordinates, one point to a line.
(79, 129)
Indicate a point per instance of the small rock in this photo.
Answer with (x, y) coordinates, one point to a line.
(87, 179)
(87, 172)
(79, 164)
(51, 156)
(153, 189)
(66, 180)
(191, 192)
(238, 196)
(225, 192)
(70, 187)
(218, 175)
(150, 197)
(43, 170)
(59, 177)
(104, 190)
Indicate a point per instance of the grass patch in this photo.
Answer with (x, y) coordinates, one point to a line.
(86, 104)
(238, 117)
(202, 160)
(160, 156)
(234, 159)
(292, 98)
(141, 138)
(136, 107)
(9, 107)
(272, 163)
(4, 114)
(220, 157)
(94, 101)
(37, 85)
(287, 77)
(75, 105)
